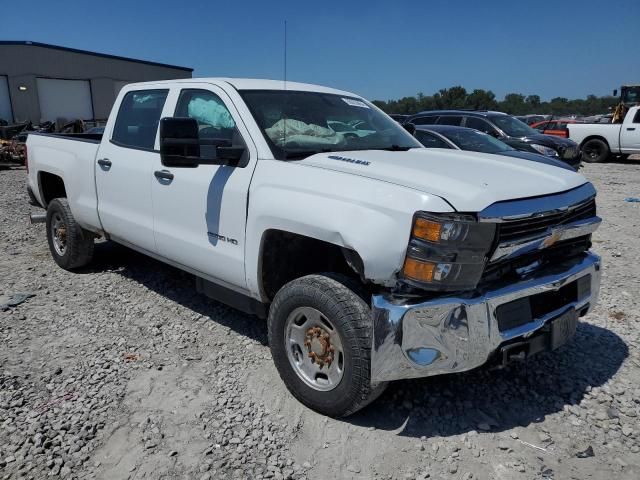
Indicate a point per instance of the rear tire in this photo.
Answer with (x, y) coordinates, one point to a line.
(595, 151)
(316, 309)
(71, 246)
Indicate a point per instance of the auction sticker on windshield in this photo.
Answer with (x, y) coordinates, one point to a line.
(355, 103)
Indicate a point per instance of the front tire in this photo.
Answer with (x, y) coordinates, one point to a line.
(320, 339)
(595, 151)
(71, 246)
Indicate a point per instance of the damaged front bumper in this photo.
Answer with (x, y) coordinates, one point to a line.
(454, 334)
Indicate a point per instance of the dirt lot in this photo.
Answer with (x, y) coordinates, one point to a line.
(122, 371)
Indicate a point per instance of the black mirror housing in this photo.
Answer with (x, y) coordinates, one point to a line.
(179, 142)
(180, 145)
(231, 154)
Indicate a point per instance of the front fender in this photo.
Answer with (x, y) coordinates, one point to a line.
(369, 216)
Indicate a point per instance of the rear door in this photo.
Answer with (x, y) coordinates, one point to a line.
(124, 170)
(630, 134)
(200, 213)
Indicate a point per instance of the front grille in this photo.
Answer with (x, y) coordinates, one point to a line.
(507, 270)
(532, 227)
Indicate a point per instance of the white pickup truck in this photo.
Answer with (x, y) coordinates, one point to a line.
(372, 258)
(598, 141)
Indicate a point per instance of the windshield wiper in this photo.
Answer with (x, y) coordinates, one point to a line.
(299, 154)
(393, 148)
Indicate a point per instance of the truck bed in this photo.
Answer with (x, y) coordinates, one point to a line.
(70, 156)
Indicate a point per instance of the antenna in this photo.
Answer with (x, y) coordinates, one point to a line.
(285, 54)
(284, 110)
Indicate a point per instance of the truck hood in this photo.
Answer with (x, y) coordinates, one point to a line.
(469, 181)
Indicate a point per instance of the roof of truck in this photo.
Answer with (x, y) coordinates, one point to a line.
(260, 84)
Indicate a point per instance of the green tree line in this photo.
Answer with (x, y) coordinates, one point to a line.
(513, 103)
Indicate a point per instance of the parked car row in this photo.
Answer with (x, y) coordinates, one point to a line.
(462, 138)
(506, 128)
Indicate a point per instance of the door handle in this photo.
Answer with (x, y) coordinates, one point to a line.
(163, 175)
(630, 129)
(104, 162)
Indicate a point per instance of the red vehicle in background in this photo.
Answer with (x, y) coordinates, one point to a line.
(554, 127)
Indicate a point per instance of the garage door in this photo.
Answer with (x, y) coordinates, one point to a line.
(68, 99)
(5, 100)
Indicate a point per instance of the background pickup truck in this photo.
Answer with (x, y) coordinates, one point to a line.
(598, 141)
(372, 258)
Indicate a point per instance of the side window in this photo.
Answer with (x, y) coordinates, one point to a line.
(450, 120)
(138, 118)
(636, 119)
(424, 120)
(430, 141)
(479, 124)
(215, 122)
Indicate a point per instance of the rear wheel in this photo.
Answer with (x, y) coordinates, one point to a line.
(320, 340)
(595, 151)
(71, 246)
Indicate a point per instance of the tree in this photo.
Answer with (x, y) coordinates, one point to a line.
(457, 97)
(481, 100)
(513, 103)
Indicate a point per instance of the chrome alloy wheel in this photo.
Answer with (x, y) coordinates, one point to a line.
(314, 349)
(59, 234)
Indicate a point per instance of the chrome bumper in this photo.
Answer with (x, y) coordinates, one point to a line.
(454, 334)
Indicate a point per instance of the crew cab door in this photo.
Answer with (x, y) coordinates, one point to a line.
(630, 133)
(200, 213)
(124, 168)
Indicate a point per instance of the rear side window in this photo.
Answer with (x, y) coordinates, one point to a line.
(636, 119)
(430, 141)
(450, 120)
(424, 120)
(138, 119)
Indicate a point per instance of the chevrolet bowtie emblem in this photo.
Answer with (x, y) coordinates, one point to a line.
(551, 239)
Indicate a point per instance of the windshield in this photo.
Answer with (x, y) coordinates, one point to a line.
(298, 124)
(512, 126)
(476, 141)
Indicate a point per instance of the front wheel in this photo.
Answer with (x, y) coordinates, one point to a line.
(595, 151)
(320, 340)
(71, 246)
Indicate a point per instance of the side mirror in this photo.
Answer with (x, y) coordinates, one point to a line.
(179, 142)
(181, 145)
(231, 154)
(409, 127)
(615, 92)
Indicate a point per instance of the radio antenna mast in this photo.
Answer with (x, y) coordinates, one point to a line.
(284, 110)
(285, 54)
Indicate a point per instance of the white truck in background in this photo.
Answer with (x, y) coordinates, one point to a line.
(372, 258)
(598, 141)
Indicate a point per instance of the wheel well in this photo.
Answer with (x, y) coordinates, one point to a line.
(51, 186)
(286, 256)
(595, 137)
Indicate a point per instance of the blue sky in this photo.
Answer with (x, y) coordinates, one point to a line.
(379, 49)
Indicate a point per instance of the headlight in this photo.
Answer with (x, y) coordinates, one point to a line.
(447, 252)
(549, 152)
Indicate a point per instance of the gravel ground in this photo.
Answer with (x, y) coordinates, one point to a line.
(123, 371)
